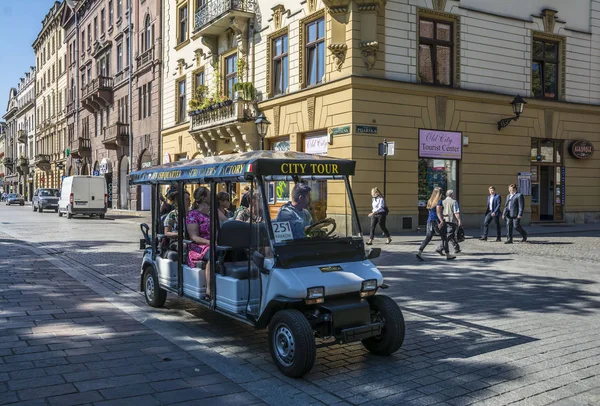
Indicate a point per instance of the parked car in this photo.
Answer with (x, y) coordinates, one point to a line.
(45, 199)
(85, 195)
(15, 198)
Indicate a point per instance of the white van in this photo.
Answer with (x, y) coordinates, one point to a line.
(85, 195)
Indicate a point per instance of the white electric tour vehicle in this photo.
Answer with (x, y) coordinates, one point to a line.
(321, 287)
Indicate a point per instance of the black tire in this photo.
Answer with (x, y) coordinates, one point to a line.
(59, 213)
(386, 310)
(33, 206)
(41, 210)
(22, 204)
(69, 215)
(102, 216)
(155, 296)
(292, 343)
(55, 210)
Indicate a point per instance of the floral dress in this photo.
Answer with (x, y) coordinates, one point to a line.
(197, 252)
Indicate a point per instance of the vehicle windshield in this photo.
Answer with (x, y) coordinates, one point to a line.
(310, 209)
(12, 195)
(49, 193)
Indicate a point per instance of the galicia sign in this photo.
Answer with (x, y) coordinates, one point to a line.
(581, 149)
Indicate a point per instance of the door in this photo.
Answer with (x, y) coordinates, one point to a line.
(81, 193)
(97, 191)
(547, 193)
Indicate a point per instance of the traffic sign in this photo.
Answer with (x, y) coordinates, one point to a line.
(96, 173)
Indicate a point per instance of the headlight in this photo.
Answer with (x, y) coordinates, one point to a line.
(368, 287)
(315, 295)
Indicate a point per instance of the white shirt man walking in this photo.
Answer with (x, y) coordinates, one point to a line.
(451, 215)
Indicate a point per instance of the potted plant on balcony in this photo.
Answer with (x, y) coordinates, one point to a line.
(198, 98)
(245, 90)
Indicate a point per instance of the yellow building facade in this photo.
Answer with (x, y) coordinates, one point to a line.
(376, 79)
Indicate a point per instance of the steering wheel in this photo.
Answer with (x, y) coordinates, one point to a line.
(317, 229)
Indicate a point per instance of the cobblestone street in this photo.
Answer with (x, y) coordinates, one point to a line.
(500, 325)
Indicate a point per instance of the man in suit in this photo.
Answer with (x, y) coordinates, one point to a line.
(492, 212)
(513, 211)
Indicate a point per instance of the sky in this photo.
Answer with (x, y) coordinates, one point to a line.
(20, 23)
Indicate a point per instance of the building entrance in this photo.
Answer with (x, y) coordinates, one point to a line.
(547, 180)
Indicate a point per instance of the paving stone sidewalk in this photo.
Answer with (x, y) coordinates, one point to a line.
(63, 344)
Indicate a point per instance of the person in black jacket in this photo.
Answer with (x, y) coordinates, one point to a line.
(513, 211)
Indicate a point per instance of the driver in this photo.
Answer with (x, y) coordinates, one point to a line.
(295, 211)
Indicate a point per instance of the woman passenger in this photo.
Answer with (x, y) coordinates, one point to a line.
(435, 221)
(223, 206)
(198, 228)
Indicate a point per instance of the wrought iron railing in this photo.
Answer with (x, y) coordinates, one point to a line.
(237, 111)
(214, 9)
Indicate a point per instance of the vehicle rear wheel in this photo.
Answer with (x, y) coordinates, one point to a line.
(155, 295)
(292, 343)
(102, 216)
(384, 309)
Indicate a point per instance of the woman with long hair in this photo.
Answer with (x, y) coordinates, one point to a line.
(435, 222)
(198, 228)
(224, 204)
(378, 215)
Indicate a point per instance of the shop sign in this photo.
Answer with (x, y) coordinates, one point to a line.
(366, 129)
(581, 149)
(105, 166)
(440, 144)
(316, 144)
(563, 182)
(339, 130)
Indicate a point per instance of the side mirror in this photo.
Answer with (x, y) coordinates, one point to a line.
(374, 253)
(259, 260)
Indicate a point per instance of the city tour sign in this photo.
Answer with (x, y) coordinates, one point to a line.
(440, 144)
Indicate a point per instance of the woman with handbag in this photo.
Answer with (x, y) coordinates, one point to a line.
(378, 215)
(435, 223)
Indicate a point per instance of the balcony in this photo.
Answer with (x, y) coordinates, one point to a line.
(117, 135)
(229, 120)
(42, 162)
(81, 147)
(145, 58)
(22, 136)
(214, 17)
(70, 108)
(97, 94)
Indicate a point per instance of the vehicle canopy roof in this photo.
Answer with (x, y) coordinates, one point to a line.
(245, 165)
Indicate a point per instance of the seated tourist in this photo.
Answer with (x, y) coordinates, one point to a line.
(198, 228)
(170, 223)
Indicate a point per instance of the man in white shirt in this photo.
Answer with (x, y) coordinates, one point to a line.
(451, 215)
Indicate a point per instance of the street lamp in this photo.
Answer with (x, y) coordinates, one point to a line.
(262, 125)
(518, 104)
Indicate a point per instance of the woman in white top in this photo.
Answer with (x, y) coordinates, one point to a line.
(378, 215)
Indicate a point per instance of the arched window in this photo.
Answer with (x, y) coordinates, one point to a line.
(147, 34)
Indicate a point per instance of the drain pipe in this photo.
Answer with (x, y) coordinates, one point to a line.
(130, 33)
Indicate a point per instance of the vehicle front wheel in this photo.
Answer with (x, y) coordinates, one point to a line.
(155, 296)
(292, 343)
(385, 310)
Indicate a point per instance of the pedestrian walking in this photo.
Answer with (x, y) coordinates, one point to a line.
(492, 212)
(378, 215)
(451, 213)
(513, 211)
(435, 224)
